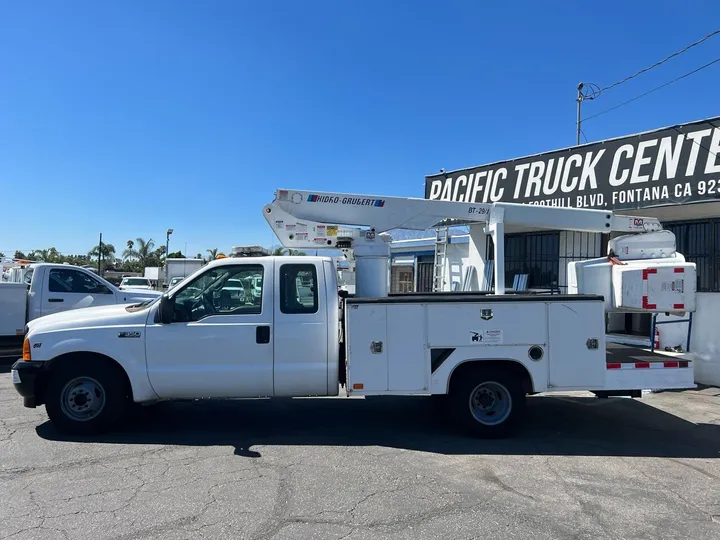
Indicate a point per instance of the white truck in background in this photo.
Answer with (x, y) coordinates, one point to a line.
(156, 275)
(209, 338)
(181, 268)
(47, 288)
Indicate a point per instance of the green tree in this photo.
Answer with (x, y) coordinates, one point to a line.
(142, 253)
(38, 255)
(54, 256)
(19, 255)
(212, 254)
(176, 255)
(79, 260)
(108, 253)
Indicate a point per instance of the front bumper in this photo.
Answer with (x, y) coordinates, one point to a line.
(25, 377)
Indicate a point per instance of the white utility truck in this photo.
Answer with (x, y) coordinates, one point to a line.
(212, 337)
(46, 288)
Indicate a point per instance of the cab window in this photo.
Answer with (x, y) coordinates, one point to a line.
(224, 290)
(66, 280)
(298, 288)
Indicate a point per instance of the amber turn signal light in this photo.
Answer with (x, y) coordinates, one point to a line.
(26, 350)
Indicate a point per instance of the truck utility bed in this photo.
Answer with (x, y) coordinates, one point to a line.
(410, 343)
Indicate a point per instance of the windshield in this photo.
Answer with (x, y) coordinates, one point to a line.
(135, 281)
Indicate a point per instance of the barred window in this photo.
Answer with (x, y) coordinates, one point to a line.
(534, 254)
(699, 242)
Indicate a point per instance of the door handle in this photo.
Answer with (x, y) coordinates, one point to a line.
(262, 334)
(55, 300)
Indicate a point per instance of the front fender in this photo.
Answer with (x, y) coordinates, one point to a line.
(128, 352)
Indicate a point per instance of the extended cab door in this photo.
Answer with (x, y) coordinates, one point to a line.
(220, 342)
(301, 330)
(70, 288)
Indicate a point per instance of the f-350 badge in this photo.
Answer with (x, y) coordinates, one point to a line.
(128, 334)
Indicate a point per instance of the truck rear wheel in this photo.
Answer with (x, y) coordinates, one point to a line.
(488, 403)
(85, 397)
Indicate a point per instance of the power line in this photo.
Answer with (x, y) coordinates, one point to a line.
(714, 154)
(597, 92)
(653, 90)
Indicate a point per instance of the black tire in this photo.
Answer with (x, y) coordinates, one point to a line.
(98, 384)
(494, 387)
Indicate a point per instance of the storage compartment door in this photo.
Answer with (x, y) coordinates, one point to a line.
(408, 358)
(572, 364)
(367, 345)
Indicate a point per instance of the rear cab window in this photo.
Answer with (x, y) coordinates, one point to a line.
(298, 288)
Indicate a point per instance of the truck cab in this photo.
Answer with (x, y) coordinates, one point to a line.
(228, 315)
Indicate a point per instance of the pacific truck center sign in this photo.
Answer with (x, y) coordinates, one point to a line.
(670, 166)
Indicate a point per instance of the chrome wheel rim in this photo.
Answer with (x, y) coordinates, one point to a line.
(490, 403)
(82, 399)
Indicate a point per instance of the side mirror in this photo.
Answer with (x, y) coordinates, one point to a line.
(167, 309)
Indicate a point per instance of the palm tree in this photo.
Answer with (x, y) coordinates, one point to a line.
(143, 253)
(108, 252)
(212, 254)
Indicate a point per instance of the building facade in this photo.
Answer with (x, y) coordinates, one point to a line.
(412, 263)
(672, 174)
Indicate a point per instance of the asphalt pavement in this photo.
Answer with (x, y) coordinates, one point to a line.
(375, 468)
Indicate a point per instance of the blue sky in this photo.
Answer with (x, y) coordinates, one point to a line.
(127, 118)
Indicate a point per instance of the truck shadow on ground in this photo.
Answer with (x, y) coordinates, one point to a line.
(555, 426)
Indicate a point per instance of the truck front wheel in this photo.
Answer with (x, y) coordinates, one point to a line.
(488, 403)
(85, 396)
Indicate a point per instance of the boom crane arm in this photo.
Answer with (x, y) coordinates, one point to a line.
(315, 220)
